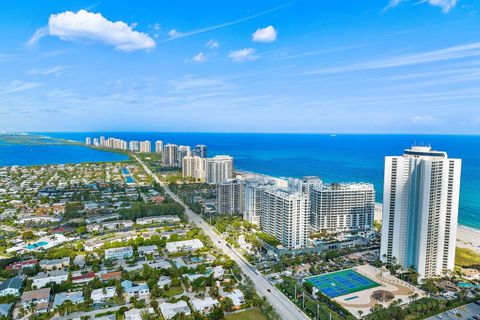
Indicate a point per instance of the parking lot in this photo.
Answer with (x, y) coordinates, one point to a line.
(467, 312)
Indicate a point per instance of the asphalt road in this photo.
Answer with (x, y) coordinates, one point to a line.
(285, 308)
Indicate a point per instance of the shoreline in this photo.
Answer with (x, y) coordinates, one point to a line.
(467, 237)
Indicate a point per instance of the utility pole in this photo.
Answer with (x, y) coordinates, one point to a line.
(303, 298)
(295, 291)
(316, 318)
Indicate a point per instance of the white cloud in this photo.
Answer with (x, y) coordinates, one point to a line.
(227, 24)
(242, 55)
(445, 54)
(428, 119)
(48, 71)
(174, 33)
(212, 44)
(198, 58)
(445, 5)
(18, 86)
(89, 26)
(268, 34)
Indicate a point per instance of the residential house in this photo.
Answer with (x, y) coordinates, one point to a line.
(40, 298)
(102, 294)
(169, 310)
(22, 264)
(236, 296)
(134, 290)
(11, 286)
(186, 245)
(147, 250)
(75, 297)
(204, 305)
(119, 253)
(55, 264)
(43, 278)
(79, 277)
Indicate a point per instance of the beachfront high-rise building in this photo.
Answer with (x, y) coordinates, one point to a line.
(158, 146)
(230, 197)
(88, 141)
(219, 169)
(420, 210)
(116, 144)
(95, 142)
(200, 150)
(170, 155)
(193, 167)
(285, 214)
(342, 207)
(183, 151)
(134, 146)
(251, 206)
(102, 141)
(145, 146)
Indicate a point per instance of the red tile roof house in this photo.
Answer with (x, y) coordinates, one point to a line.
(83, 278)
(22, 264)
(117, 275)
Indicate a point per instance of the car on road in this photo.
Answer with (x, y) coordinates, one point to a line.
(269, 290)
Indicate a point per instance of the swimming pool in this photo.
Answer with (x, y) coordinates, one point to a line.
(35, 245)
(341, 282)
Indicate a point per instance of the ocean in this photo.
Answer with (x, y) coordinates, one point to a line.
(335, 158)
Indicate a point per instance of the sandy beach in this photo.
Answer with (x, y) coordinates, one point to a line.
(466, 237)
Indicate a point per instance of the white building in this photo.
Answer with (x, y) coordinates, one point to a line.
(158, 146)
(88, 141)
(230, 197)
(43, 278)
(204, 305)
(194, 167)
(186, 245)
(169, 310)
(218, 169)
(158, 219)
(183, 151)
(145, 146)
(420, 210)
(119, 253)
(284, 214)
(147, 250)
(170, 155)
(236, 296)
(342, 207)
(251, 197)
(102, 294)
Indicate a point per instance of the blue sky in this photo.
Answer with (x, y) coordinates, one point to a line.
(377, 66)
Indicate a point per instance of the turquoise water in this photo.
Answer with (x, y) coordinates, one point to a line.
(36, 245)
(344, 157)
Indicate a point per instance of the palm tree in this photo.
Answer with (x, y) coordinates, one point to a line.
(32, 307)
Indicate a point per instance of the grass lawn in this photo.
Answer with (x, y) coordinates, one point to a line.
(251, 314)
(173, 291)
(466, 258)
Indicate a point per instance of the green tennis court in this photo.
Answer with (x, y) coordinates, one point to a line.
(341, 282)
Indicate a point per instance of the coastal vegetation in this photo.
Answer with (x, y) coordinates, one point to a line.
(467, 258)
